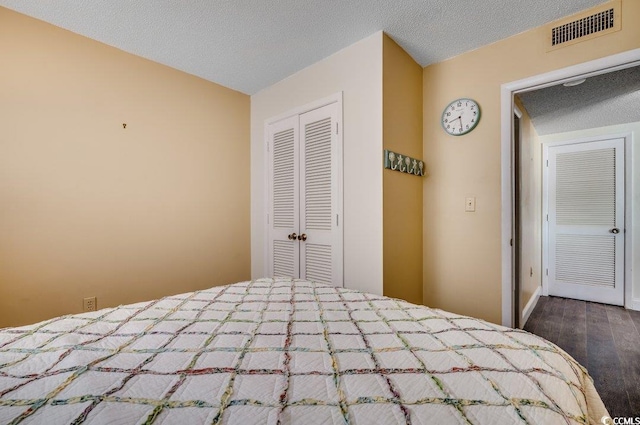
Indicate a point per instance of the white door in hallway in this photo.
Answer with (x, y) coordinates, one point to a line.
(586, 227)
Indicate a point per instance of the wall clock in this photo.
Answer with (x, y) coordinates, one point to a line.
(460, 116)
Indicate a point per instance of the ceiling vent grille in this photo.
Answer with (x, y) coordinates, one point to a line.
(582, 27)
(585, 26)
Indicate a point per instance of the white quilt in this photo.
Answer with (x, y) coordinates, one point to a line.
(286, 351)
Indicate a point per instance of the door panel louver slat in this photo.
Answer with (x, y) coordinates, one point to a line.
(283, 179)
(283, 258)
(586, 259)
(586, 188)
(318, 175)
(318, 262)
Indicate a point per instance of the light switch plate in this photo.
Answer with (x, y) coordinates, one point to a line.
(470, 204)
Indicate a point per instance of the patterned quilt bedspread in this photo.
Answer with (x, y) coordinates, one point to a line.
(286, 351)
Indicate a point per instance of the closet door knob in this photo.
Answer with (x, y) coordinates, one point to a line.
(302, 237)
(292, 237)
(615, 230)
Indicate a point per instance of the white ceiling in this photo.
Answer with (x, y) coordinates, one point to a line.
(248, 45)
(600, 101)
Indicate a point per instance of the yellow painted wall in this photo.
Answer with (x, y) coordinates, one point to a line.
(88, 208)
(402, 193)
(462, 251)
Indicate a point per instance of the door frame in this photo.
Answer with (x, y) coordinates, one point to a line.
(517, 219)
(507, 91)
(334, 98)
(628, 230)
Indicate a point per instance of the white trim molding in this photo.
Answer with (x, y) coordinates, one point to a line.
(531, 304)
(517, 111)
(587, 69)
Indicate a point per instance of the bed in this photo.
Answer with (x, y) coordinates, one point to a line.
(286, 351)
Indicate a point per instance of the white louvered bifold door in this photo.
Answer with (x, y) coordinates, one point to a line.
(320, 168)
(284, 198)
(586, 221)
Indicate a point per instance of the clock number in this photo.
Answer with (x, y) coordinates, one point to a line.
(459, 103)
(448, 114)
(467, 126)
(475, 113)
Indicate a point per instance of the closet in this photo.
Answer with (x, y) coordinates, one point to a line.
(304, 195)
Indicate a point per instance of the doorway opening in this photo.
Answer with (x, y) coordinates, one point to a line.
(519, 294)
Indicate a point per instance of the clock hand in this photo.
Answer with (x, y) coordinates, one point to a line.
(459, 118)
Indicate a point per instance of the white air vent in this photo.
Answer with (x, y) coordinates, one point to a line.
(604, 20)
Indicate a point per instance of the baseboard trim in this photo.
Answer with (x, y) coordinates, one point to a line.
(635, 304)
(530, 306)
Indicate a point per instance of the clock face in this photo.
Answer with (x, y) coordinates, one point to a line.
(460, 116)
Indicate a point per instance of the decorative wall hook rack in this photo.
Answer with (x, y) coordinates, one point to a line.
(403, 163)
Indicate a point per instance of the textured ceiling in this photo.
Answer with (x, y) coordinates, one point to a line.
(248, 45)
(603, 100)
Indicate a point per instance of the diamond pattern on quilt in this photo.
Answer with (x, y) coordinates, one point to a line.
(195, 415)
(428, 414)
(312, 415)
(284, 351)
(362, 414)
(205, 389)
(110, 412)
(318, 388)
(64, 413)
(91, 383)
(313, 362)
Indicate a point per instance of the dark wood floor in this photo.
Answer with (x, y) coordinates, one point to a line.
(603, 338)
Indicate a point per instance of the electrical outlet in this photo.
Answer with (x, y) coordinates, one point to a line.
(89, 304)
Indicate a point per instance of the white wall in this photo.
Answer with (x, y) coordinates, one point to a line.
(357, 72)
(530, 214)
(634, 129)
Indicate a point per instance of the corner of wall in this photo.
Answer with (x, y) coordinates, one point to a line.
(356, 71)
(402, 193)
